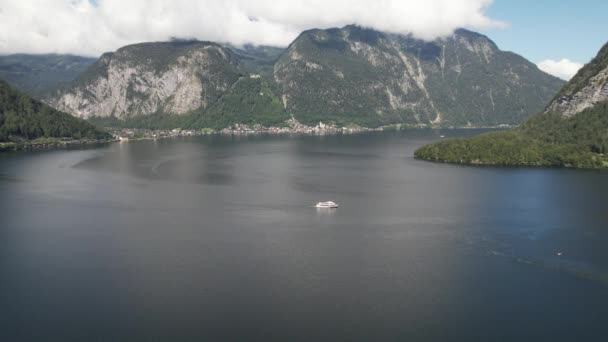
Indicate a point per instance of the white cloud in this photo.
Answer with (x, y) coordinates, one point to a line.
(92, 27)
(564, 68)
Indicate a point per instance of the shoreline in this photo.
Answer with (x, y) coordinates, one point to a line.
(50, 143)
(481, 164)
(293, 128)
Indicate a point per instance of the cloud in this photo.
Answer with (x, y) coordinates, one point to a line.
(91, 27)
(564, 68)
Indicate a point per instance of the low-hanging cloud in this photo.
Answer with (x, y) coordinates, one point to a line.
(563, 68)
(90, 27)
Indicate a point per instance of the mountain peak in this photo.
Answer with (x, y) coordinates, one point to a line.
(377, 78)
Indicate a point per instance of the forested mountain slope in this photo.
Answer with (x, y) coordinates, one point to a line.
(572, 131)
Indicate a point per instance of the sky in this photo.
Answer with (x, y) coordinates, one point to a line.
(557, 35)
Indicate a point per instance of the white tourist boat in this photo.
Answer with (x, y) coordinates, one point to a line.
(328, 204)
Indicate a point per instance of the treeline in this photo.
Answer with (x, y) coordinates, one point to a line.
(546, 140)
(587, 129)
(23, 118)
(510, 148)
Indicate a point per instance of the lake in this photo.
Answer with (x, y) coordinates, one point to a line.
(214, 238)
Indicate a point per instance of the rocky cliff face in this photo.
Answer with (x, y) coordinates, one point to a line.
(172, 77)
(586, 89)
(371, 78)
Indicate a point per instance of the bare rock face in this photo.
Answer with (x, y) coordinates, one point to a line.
(141, 79)
(586, 89)
(595, 92)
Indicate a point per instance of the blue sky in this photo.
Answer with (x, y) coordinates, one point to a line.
(544, 29)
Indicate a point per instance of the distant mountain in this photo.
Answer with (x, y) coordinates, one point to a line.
(38, 75)
(372, 78)
(258, 59)
(572, 131)
(345, 76)
(23, 118)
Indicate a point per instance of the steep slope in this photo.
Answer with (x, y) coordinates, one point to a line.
(572, 131)
(23, 118)
(170, 77)
(249, 101)
(373, 78)
(586, 89)
(39, 75)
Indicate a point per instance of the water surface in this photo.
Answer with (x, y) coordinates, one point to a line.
(215, 238)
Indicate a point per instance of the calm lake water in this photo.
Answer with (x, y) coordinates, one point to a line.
(215, 238)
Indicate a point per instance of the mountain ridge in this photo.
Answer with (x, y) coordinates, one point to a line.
(405, 80)
(346, 76)
(40, 74)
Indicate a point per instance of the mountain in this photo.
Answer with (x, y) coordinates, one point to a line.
(571, 132)
(23, 118)
(257, 59)
(38, 75)
(372, 78)
(346, 76)
(167, 77)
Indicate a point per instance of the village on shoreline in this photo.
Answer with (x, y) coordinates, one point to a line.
(133, 134)
(292, 127)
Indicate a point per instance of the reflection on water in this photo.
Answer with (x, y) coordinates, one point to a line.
(325, 211)
(217, 238)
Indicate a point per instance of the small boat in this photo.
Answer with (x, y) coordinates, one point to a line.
(328, 204)
(442, 136)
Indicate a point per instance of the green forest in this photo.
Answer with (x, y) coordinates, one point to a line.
(23, 118)
(545, 140)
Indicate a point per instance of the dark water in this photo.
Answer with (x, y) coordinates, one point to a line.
(214, 238)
